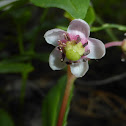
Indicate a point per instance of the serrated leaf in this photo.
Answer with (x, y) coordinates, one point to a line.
(15, 67)
(5, 119)
(52, 103)
(77, 8)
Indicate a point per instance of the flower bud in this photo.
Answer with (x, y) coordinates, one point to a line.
(124, 45)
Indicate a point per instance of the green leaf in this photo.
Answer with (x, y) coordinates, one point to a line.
(6, 3)
(67, 15)
(21, 15)
(17, 58)
(44, 57)
(62, 27)
(90, 16)
(77, 8)
(15, 67)
(106, 26)
(52, 103)
(5, 119)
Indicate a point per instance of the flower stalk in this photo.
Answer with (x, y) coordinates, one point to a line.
(70, 80)
(111, 44)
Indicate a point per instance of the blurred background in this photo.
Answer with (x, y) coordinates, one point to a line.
(25, 76)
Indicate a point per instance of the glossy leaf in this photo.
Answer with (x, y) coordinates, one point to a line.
(5, 119)
(52, 103)
(77, 8)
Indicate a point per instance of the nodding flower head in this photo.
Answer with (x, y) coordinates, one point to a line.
(74, 47)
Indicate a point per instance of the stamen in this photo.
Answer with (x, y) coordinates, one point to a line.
(76, 61)
(86, 53)
(61, 44)
(66, 36)
(60, 49)
(68, 63)
(85, 44)
(84, 60)
(78, 39)
(63, 57)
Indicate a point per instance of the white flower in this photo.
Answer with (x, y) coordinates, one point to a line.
(74, 47)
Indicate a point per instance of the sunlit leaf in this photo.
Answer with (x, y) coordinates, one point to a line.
(5, 119)
(77, 8)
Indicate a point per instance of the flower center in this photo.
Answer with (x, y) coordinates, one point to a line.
(74, 50)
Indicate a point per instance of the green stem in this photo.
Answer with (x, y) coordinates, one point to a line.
(23, 87)
(20, 39)
(22, 97)
(33, 41)
(70, 80)
(108, 31)
(42, 18)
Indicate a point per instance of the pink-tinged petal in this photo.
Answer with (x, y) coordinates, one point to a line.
(79, 69)
(52, 36)
(79, 27)
(97, 48)
(55, 60)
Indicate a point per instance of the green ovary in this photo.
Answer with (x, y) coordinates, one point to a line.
(74, 51)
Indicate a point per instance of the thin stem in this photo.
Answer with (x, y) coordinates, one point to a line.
(22, 96)
(108, 31)
(71, 78)
(20, 39)
(111, 44)
(23, 87)
(42, 19)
